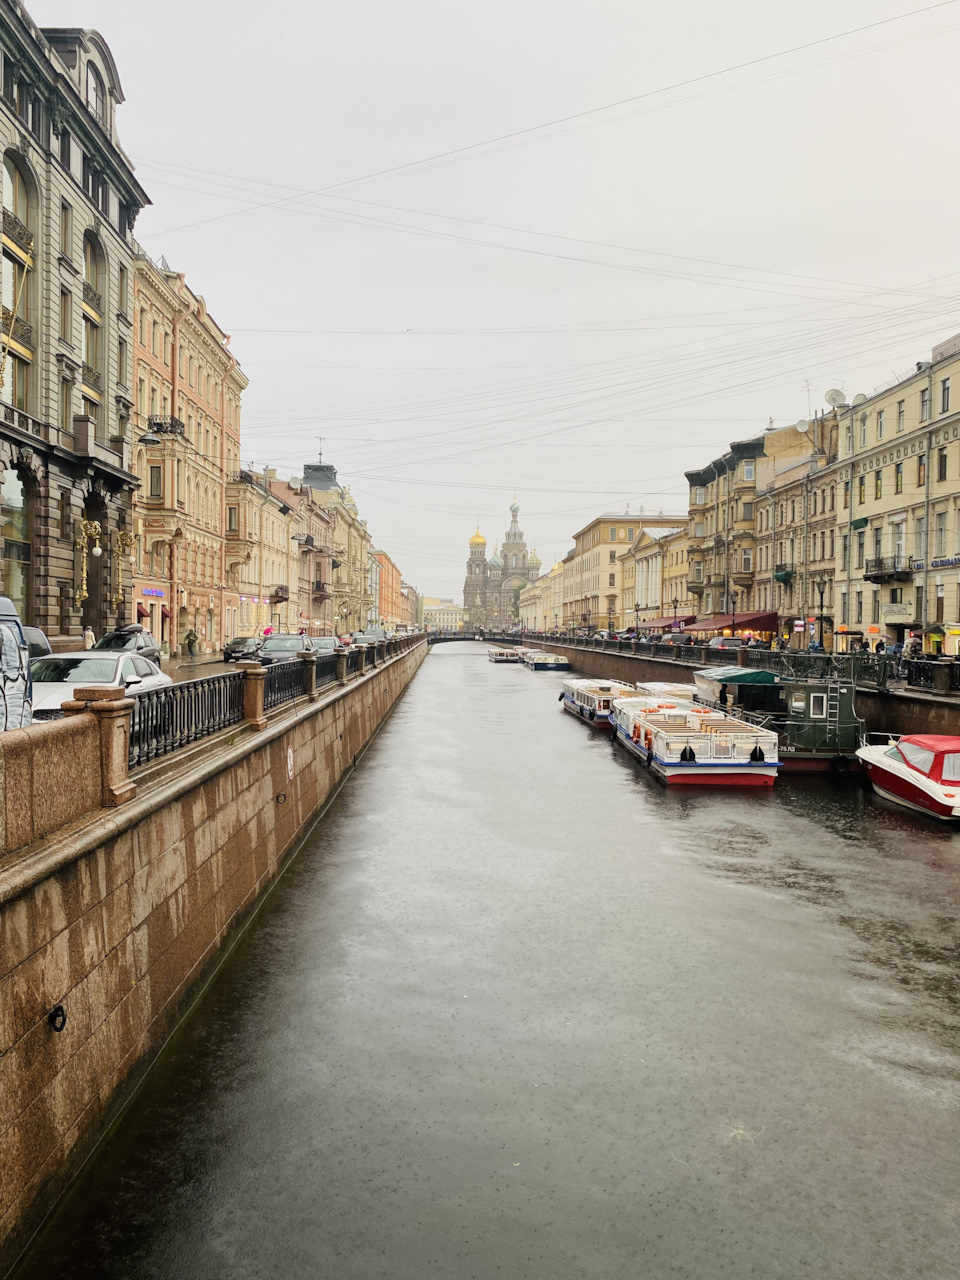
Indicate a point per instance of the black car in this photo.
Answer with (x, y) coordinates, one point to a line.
(242, 648)
(280, 648)
(132, 638)
(38, 643)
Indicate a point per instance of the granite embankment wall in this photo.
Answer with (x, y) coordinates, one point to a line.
(883, 711)
(116, 914)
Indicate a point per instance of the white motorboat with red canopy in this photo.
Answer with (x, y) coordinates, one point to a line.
(921, 771)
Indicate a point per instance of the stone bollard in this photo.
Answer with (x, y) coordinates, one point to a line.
(742, 657)
(361, 662)
(309, 659)
(112, 708)
(254, 687)
(941, 677)
(342, 667)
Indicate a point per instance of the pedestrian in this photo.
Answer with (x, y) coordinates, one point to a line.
(191, 639)
(880, 646)
(88, 637)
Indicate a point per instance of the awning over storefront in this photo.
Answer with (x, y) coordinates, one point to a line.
(142, 610)
(736, 622)
(666, 624)
(165, 612)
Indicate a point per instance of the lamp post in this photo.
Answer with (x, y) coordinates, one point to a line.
(674, 602)
(733, 612)
(88, 529)
(124, 544)
(609, 619)
(820, 587)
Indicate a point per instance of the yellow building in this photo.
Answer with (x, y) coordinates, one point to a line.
(263, 558)
(592, 577)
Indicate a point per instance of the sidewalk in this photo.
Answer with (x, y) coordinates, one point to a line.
(191, 668)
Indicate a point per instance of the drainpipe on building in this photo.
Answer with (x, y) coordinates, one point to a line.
(926, 514)
(850, 524)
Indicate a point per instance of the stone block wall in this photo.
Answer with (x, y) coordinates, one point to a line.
(116, 918)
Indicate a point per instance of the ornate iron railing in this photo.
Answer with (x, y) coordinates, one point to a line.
(19, 329)
(92, 377)
(167, 719)
(353, 661)
(326, 669)
(91, 297)
(17, 232)
(284, 681)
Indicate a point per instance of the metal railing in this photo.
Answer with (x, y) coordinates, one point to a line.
(353, 661)
(166, 719)
(283, 682)
(326, 669)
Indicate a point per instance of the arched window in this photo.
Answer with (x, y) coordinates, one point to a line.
(16, 190)
(96, 95)
(93, 265)
(15, 520)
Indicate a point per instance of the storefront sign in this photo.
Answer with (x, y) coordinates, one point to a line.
(799, 625)
(154, 591)
(942, 562)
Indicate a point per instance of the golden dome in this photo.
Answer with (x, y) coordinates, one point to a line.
(478, 540)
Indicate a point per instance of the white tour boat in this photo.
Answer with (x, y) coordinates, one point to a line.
(921, 771)
(684, 743)
(592, 700)
(539, 660)
(503, 655)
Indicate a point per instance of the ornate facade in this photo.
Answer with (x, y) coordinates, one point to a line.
(69, 203)
(492, 588)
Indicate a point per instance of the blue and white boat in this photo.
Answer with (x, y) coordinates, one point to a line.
(592, 700)
(538, 660)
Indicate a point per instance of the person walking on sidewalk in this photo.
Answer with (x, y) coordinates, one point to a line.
(88, 637)
(191, 639)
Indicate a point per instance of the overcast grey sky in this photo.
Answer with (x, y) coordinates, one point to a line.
(576, 313)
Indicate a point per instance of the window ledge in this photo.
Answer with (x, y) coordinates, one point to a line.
(65, 262)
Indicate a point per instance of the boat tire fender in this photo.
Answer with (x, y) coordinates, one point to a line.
(560, 699)
(839, 764)
(593, 715)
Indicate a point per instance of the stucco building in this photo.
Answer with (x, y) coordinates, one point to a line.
(70, 199)
(389, 601)
(593, 572)
(351, 598)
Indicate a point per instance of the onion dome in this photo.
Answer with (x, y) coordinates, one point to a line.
(533, 560)
(478, 540)
(495, 561)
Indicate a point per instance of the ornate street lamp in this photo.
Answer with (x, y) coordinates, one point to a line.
(124, 543)
(88, 529)
(733, 612)
(674, 602)
(820, 587)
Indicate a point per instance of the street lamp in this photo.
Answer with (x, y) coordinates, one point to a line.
(674, 602)
(636, 618)
(609, 617)
(733, 612)
(820, 587)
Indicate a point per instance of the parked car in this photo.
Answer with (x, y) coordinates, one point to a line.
(282, 648)
(361, 639)
(327, 644)
(131, 639)
(725, 642)
(37, 642)
(242, 648)
(677, 638)
(56, 676)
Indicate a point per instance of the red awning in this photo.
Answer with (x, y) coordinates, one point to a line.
(165, 612)
(666, 624)
(734, 622)
(142, 610)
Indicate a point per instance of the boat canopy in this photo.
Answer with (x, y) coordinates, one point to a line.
(738, 675)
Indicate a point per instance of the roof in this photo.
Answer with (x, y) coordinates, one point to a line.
(936, 742)
(738, 675)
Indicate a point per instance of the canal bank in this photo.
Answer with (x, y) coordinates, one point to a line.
(515, 1010)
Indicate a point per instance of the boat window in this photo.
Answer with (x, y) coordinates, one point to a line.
(951, 767)
(797, 704)
(818, 705)
(919, 757)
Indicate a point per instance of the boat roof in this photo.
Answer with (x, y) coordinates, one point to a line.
(935, 742)
(738, 675)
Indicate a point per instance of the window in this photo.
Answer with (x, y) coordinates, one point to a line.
(153, 402)
(898, 478)
(613, 557)
(748, 470)
(863, 431)
(945, 395)
(859, 606)
(861, 541)
(925, 404)
(698, 529)
(122, 371)
(875, 607)
(850, 439)
(832, 546)
(844, 607)
(613, 535)
(66, 315)
(746, 511)
(66, 229)
(96, 97)
(878, 483)
(846, 494)
(698, 570)
(91, 343)
(917, 756)
(16, 383)
(747, 560)
(898, 538)
(833, 495)
(901, 414)
(156, 482)
(818, 706)
(940, 534)
(154, 339)
(920, 540)
(123, 289)
(233, 519)
(879, 424)
(877, 542)
(65, 148)
(896, 595)
(92, 268)
(921, 470)
(66, 412)
(611, 580)
(861, 490)
(941, 464)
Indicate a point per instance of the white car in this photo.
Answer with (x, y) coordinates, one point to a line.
(56, 676)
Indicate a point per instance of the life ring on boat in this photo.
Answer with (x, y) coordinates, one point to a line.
(648, 742)
(839, 764)
(636, 733)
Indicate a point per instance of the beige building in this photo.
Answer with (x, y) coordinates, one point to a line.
(262, 556)
(311, 530)
(444, 615)
(352, 600)
(187, 433)
(897, 567)
(654, 574)
(541, 604)
(592, 577)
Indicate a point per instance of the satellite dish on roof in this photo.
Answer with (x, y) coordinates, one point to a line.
(859, 399)
(803, 425)
(835, 398)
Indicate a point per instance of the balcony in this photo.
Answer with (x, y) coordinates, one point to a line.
(743, 577)
(695, 587)
(320, 591)
(715, 579)
(91, 297)
(897, 568)
(92, 377)
(279, 595)
(784, 573)
(18, 233)
(166, 426)
(19, 330)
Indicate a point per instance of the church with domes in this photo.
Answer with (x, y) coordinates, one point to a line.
(491, 588)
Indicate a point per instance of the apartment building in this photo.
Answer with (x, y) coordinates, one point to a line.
(389, 606)
(722, 531)
(654, 573)
(592, 577)
(352, 600)
(897, 566)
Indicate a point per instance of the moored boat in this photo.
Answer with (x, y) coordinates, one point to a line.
(683, 743)
(921, 772)
(592, 700)
(503, 655)
(538, 660)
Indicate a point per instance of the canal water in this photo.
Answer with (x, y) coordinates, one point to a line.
(515, 1011)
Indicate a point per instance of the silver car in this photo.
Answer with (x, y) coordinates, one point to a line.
(56, 676)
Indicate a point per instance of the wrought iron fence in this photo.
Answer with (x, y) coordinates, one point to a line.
(353, 661)
(166, 719)
(326, 669)
(283, 682)
(920, 674)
